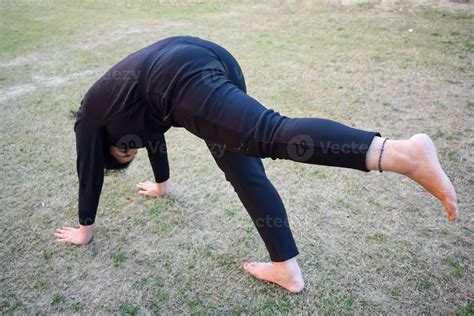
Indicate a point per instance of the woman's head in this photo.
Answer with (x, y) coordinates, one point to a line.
(115, 158)
(118, 158)
(123, 155)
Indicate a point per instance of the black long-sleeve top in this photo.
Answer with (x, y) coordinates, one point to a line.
(129, 106)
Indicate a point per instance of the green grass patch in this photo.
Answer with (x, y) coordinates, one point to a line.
(378, 237)
(76, 307)
(425, 284)
(9, 305)
(319, 174)
(119, 258)
(465, 310)
(47, 254)
(395, 292)
(57, 298)
(453, 156)
(129, 309)
(194, 306)
(230, 212)
(155, 210)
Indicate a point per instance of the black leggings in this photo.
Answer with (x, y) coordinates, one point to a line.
(212, 104)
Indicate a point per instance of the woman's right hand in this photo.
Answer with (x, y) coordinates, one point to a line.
(77, 236)
(154, 189)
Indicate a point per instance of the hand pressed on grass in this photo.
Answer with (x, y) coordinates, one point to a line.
(153, 189)
(72, 235)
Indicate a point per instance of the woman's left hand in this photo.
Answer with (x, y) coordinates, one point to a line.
(72, 235)
(153, 189)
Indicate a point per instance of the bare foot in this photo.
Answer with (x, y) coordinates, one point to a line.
(426, 170)
(286, 274)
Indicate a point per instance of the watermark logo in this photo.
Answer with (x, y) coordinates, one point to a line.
(129, 141)
(300, 148)
(123, 74)
(29, 3)
(214, 74)
(217, 150)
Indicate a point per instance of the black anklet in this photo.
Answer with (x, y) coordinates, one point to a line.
(381, 152)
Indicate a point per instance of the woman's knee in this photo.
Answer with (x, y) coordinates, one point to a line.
(248, 173)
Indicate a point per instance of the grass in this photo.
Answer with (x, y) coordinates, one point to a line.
(425, 284)
(230, 212)
(379, 237)
(57, 298)
(395, 292)
(47, 254)
(119, 258)
(129, 309)
(76, 307)
(155, 210)
(465, 311)
(369, 243)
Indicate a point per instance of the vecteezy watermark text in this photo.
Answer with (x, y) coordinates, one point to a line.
(28, 3)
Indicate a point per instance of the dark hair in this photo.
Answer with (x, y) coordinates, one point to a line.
(110, 162)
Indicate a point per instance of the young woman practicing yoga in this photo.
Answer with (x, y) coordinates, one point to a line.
(189, 82)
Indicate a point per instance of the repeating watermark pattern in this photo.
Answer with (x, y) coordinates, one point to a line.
(124, 74)
(156, 146)
(193, 2)
(214, 74)
(132, 4)
(300, 147)
(128, 4)
(129, 141)
(217, 150)
(337, 148)
(271, 222)
(29, 3)
(175, 3)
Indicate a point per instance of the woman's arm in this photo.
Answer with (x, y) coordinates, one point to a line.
(90, 171)
(90, 168)
(157, 154)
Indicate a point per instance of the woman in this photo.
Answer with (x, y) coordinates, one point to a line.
(193, 83)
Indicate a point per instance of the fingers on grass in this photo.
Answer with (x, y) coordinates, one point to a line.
(144, 187)
(144, 183)
(453, 217)
(60, 235)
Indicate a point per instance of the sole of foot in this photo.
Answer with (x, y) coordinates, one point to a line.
(426, 170)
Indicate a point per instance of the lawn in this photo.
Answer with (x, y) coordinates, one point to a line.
(369, 242)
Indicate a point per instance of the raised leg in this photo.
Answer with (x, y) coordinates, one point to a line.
(225, 115)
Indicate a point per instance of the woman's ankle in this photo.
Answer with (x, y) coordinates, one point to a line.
(394, 158)
(286, 264)
(399, 158)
